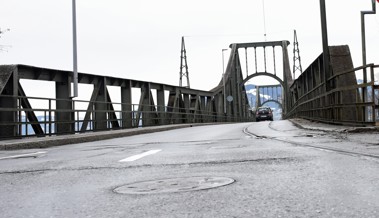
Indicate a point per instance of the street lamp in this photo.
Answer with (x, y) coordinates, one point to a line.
(75, 56)
(223, 79)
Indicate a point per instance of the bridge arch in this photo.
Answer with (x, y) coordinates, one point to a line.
(273, 100)
(263, 74)
(281, 83)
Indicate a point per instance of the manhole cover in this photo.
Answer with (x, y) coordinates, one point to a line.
(173, 185)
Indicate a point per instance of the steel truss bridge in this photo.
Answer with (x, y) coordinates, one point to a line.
(336, 98)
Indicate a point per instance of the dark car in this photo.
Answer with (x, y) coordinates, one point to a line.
(263, 113)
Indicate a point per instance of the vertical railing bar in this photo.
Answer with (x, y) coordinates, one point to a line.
(247, 68)
(26, 126)
(19, 119)
(373, 93)
(49, 117)
(77, 120)
(264, 52)
(45, 123)
(255, 55)
(72, 112)
(273, 49)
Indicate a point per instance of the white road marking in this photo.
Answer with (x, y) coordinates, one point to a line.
(139, 156)
(24, 155)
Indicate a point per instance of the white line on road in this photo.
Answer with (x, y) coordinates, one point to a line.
(24, 155)
(139, 156)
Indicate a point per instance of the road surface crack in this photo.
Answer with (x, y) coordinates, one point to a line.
(200, 163)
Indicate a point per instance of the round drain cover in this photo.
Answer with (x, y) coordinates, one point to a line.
(173, 185)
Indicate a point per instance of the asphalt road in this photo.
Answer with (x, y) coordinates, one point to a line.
(265, 169)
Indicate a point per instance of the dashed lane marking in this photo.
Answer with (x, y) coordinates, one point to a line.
(139, 156)
(36, 154)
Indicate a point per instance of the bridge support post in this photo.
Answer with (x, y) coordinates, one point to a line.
(288, 80)
(194, 104)
(209, 108)
(64, 116)
(202, 109)
(126, 105)
(8, 118)
(171, 107)
(187, 103)
(146, 106)
(161, 105)
(219, 102)
(101, 105)
(341, 61)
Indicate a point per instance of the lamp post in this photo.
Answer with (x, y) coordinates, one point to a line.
(223, 79)
(364, 60)
(325, 44)
(75, 56)
(363, 31)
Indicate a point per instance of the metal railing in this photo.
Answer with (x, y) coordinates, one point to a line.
(345, 105)
(45, 120)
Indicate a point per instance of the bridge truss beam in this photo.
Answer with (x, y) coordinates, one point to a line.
(348, 100)
(65, 115)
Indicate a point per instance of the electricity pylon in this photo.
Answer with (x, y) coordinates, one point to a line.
(296, 56)
(183, 64)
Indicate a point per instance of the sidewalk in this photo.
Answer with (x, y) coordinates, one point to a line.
(306, 124)
(363, 140)
(50, 141)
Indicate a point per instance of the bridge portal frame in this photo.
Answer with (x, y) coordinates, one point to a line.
(234, 84)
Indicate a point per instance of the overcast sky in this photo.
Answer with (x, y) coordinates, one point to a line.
(140, 39)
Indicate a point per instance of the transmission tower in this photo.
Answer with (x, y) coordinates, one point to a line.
(183, 64)
(296, 56)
